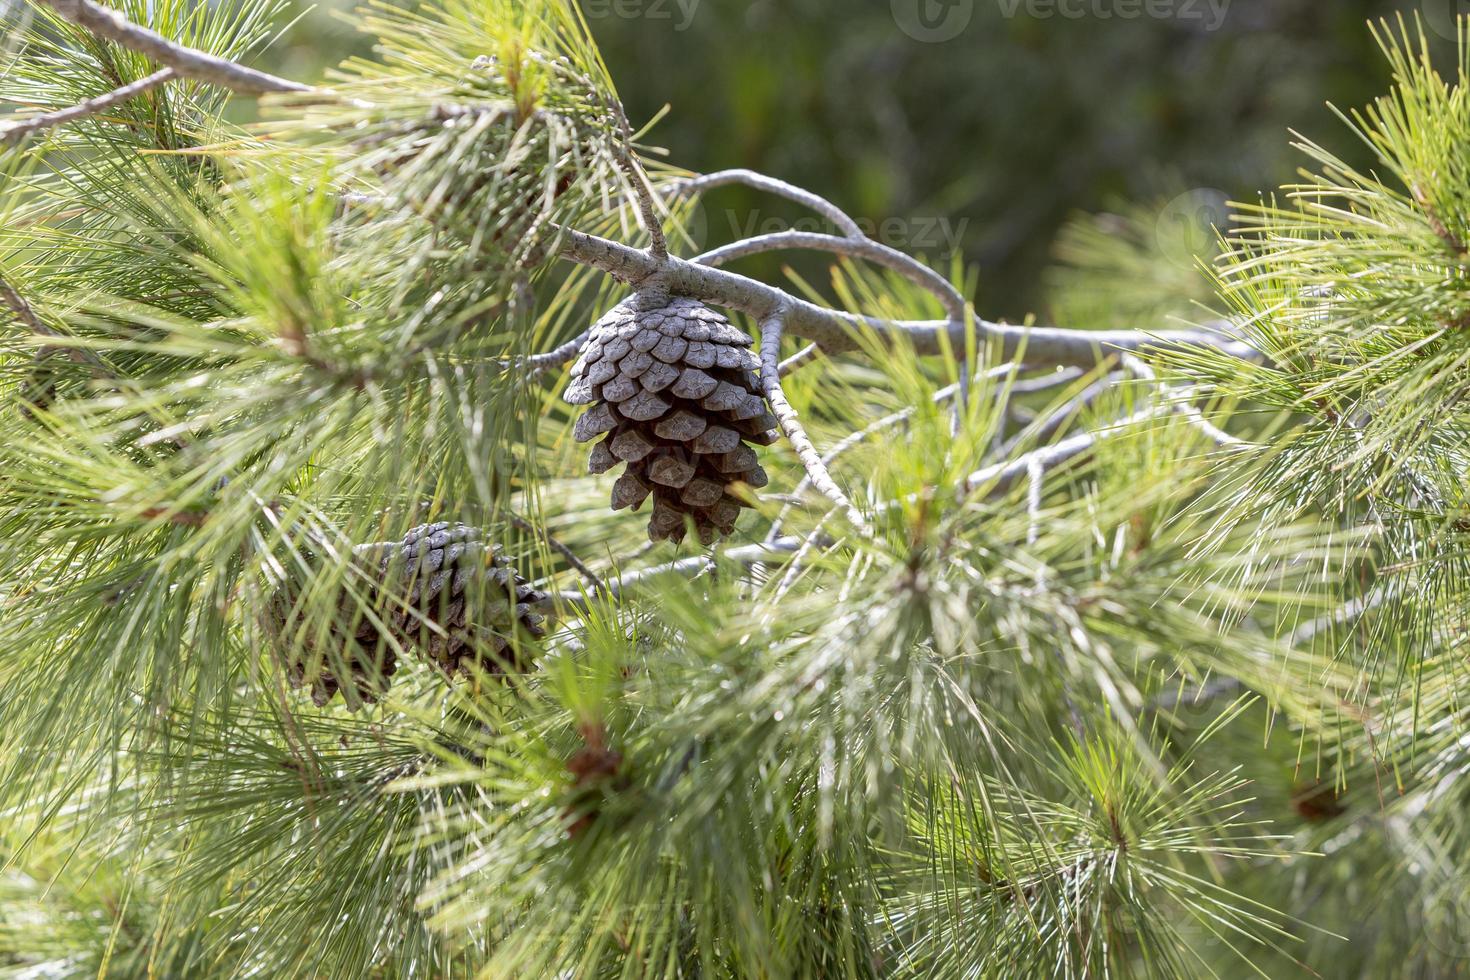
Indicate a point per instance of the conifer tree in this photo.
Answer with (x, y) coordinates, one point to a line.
(936, 647)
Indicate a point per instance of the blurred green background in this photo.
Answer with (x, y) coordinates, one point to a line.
(981, 124)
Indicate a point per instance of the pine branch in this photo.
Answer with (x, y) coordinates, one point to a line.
(1181, 403)
(1002, 476)
(14, 132)
(658, 247)
(687, 567)
(749, 178)
(570, 556)
(1045, 382)
(23, 312)
(800, 359)
(854, 243)
(1040, 430)
(136, 569)
(811, 460)
(834, 330)
(848, 442)
(814, 540)
(860, 436)
(185, 61)
(1036, 473)
(537, 363)
(855, 248)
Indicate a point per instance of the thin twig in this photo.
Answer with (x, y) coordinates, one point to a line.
(536, 363)
(17, 305)
(853, 243)
(1001, 476)
(856, 248)
(1194, 696)
(800, 359)
(1035, 494)
(843, 445)
(1036, 472)
(187, 62)
(852, 439)
(811, 460)
(690, 567)
(1347, 612)
(13, 132)
(1177, 397)
(632, 169)
(1026, 386)
(581, 567)
(758, 181)
(23, 312)
(798, 560)
(658, 246)
(962, 399)
(1040, 431)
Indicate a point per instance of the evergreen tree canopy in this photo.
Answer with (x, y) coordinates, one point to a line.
(938, 647)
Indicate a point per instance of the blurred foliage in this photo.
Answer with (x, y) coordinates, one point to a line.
(992, 139)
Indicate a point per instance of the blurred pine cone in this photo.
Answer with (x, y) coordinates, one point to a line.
(458, 599)
(674, 391)
(440, 591)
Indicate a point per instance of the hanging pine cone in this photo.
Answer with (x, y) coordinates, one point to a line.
(477, 601)
(350, 658)
(674, 391)
(441, 592)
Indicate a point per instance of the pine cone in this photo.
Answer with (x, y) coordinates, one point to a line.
(350, 658)
(441, 592)
(452, 581)
(674, 391)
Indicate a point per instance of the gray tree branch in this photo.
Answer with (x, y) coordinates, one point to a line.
(857, 248)
(187, 62)
(758, 181)
(693, 565)
(836, 331)
(14, 131)
(811, 460)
